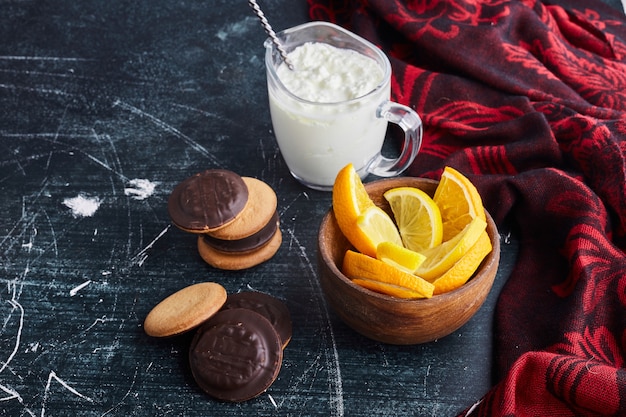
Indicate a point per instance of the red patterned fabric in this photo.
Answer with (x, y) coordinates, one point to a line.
(528, 98)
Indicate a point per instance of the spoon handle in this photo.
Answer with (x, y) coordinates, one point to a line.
(268, 29)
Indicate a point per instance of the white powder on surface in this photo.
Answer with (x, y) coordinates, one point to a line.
(82, 206)
(140, 188)
(327, 74)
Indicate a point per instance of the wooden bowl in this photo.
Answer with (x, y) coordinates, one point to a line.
(390, 319)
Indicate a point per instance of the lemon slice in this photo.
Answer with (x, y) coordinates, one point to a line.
(359, 266)
(464, 269)
(399, 256)
(417, 216)
(459, 202)
(350, 200)
(376, 227)
(441, 258)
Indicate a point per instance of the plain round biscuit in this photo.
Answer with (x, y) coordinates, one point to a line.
(185, 309)
(261, 206)
(243, 260)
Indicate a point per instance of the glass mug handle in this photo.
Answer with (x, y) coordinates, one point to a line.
(410, 122)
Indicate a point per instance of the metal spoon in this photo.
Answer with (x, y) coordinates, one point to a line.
(268, 29)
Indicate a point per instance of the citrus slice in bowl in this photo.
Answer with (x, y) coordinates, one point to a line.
(376, 226)
(459, 202)
(417, 216)
(399, 256)
(359, 266)
(350, 200)
(388, 289)
(443, 257)
(465, 267)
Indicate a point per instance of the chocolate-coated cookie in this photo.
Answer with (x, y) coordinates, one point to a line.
(268, 306)
(239, 260)
(235, 355)
(207, 201)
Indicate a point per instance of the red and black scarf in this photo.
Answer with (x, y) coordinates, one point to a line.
(528, 99)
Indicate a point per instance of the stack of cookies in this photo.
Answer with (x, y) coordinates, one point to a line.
(237, 350)
(235, 217)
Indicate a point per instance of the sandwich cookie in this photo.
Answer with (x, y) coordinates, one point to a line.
(235, 218)
(236, 355)
(252, 238)
(207, 201)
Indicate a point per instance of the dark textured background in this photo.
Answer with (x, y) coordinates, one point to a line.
(94, 95)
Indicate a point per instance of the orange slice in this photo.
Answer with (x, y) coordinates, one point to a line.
(417, 216)
(350, 200)
(441, 258)
(458, 201)
(359, 266)
(464, 269)
(388, 289)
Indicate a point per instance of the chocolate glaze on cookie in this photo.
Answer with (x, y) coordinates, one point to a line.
(235, 355)
(268, 306)
(245, 244)
(261, 206)
(207, 200)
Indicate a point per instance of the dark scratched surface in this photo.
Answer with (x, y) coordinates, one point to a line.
(104, 108)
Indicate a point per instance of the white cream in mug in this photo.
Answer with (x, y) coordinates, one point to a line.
(321, 134)
(327, 74)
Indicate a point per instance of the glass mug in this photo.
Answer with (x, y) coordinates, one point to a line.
(316, 139)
